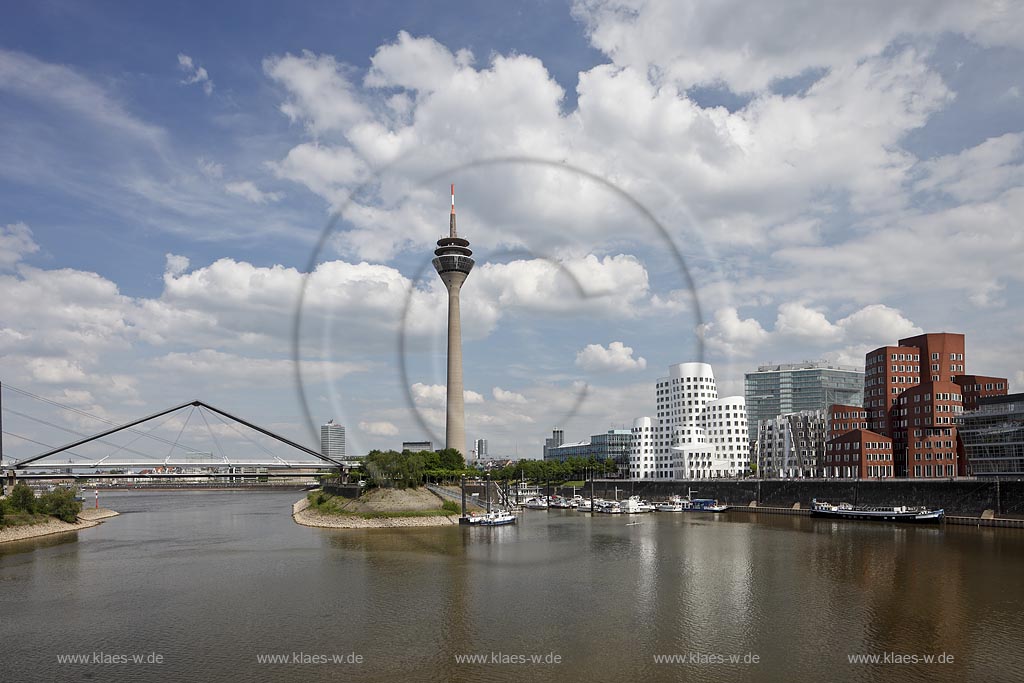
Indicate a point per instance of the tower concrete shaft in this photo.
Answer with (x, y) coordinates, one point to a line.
(453, 263)
(455, 422)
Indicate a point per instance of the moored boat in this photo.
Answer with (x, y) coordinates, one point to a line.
(898, 513)
(703, 505)
(499, 518)
(560, 502)
(673, 504)
(634, 505)
(536, 503)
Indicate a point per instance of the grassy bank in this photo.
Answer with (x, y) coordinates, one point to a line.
(23, 519)
(382, 505)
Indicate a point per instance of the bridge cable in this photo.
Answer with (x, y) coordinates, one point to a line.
(247, 438)
(86, 414)
(77, 433)
(180, 432)
(38, 443)
(213, 436)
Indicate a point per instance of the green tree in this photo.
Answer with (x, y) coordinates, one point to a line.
(451, 459)
(61, 503)
(22, 499)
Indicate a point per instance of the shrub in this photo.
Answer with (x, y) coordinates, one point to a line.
(61, 503)
(450, 506)
(22, 499)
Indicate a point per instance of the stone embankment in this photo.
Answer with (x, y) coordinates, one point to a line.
(86, 519)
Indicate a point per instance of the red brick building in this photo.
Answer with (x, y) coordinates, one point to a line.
(974, 387)
(913, 394)
(843, 418)
(932, 410)
(859, 453)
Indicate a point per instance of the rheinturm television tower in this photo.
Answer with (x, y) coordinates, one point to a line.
(453, 263)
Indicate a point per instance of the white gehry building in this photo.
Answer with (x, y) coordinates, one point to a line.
(695, 435)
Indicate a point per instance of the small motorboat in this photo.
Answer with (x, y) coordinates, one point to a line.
(673, 504)
(536, 503)
(634, 505)
(497, 518)
(560, 502)
(608, 507)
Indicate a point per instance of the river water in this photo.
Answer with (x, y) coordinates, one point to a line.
(212, 584)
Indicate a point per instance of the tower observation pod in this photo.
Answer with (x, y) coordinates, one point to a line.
(452, 260)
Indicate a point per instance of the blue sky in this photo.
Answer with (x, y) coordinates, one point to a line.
(834, 180)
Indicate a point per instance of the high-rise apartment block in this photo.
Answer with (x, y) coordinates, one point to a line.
(332, 441)
(480, 449)
(695, 434)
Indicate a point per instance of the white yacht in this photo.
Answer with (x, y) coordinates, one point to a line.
(609, 507)
(536, 503)
(633, 505)
(673, 504)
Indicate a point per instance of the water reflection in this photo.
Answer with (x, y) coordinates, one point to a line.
(212, 580)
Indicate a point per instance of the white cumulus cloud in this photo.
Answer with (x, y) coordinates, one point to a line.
(380, 428)
(617, 357)
(503, 396)
(437, 395)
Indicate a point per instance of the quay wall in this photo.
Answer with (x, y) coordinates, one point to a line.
(967, 497)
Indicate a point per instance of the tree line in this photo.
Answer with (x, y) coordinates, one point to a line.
(59, 502)
(413, 468)
(555, 471)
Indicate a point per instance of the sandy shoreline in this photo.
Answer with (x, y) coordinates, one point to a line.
(306, 517)
(86, 519)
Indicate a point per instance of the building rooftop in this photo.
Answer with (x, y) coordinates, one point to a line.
(995, 400)
(807, 365)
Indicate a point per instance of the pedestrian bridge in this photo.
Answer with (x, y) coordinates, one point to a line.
(187, 440)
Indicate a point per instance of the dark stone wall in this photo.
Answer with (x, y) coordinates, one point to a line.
(957, 497)
(342, 489)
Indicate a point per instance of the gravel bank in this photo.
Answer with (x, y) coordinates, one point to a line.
(307, 517)
(86, 519)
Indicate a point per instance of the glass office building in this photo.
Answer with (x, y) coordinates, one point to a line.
(993, 436)
(614, 444)
(775, 390)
